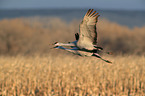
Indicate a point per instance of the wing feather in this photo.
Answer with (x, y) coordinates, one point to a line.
(88, 33)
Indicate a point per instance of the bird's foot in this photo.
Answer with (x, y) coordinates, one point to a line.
(107, 61)
(98, 48)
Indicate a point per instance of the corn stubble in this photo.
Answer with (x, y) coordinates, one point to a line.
(71, 75)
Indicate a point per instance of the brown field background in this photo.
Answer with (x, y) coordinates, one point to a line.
(29, 67)
(28, 36)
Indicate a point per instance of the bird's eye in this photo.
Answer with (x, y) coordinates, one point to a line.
(55, 42)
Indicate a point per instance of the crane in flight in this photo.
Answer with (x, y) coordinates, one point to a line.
(86, 39)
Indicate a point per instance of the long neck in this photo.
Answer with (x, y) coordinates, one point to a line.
(66, 44)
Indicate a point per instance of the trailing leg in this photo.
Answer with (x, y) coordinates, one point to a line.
(97, 55)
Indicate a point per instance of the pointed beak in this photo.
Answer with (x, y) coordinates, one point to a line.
(53, 43)
(52, 46)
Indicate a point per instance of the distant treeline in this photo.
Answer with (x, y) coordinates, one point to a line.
(29, 36)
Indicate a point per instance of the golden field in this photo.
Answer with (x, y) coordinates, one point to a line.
(28, 67)
(65, 75)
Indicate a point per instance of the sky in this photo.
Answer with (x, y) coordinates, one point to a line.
(100, 4)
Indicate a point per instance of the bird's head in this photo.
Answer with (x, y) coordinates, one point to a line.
(56, 44)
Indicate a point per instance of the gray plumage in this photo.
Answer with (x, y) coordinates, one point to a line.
(87, 32)
(86, 40)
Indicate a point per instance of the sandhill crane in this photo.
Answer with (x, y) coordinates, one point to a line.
(86, 39)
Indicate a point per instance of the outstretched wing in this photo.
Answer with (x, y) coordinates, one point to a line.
(88, 33)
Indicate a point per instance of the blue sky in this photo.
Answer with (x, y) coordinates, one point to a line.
(101, 4)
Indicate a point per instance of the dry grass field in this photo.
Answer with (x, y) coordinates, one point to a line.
(72, 76)
(33, 35)
(28, 67)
